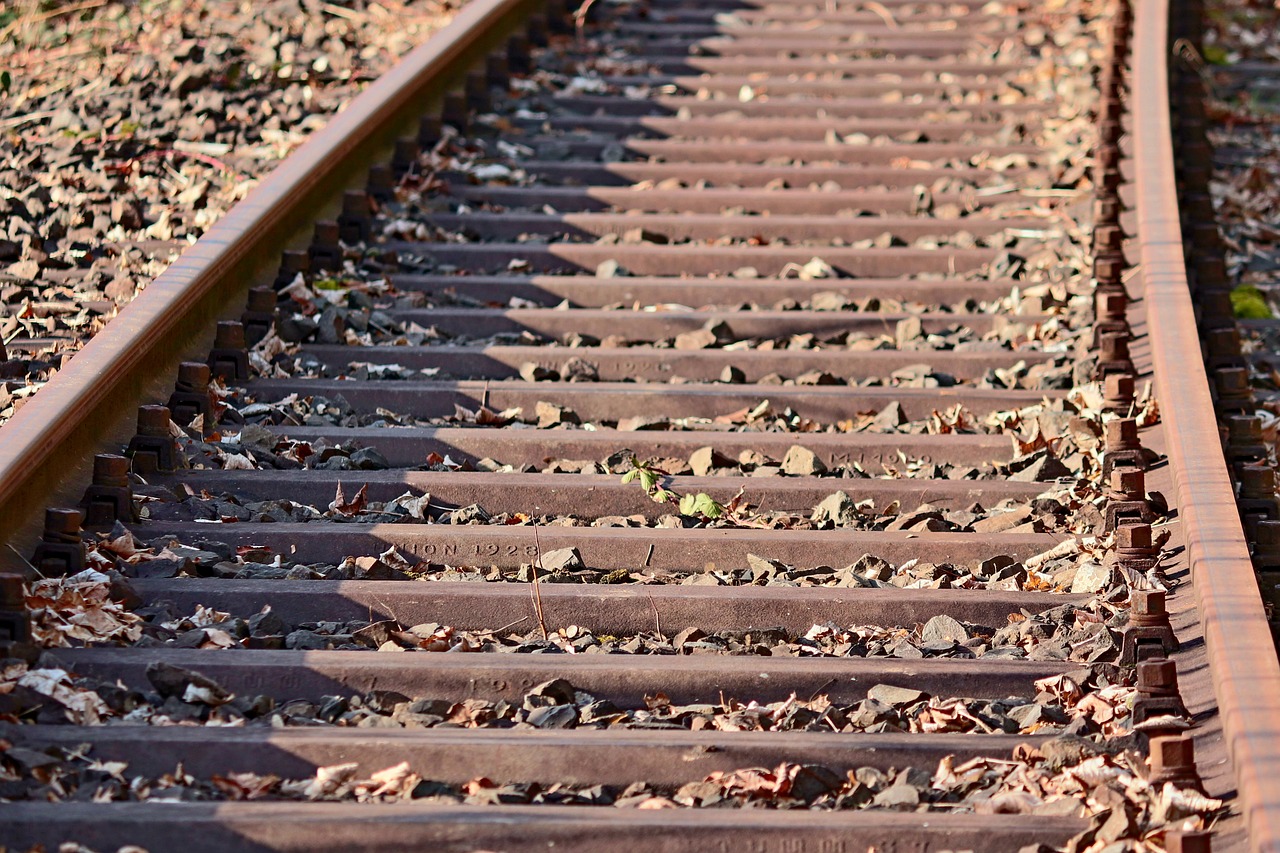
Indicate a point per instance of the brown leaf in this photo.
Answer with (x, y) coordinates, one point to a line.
(349, 508)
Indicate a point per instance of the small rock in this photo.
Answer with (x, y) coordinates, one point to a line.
(562, 560)
(554, 692)
(943, 627)
(898, 798)
(688, 635)
(890, 694)
(839, 509)
(801, 461)
(643, 235)
(706, 459)
(549, 415)
(185, 684)
(818, 377)
(1000, 522)
(733, 375)
(828, 301)
(890, 417)
(908, 331)
(1045, 468)
(554, 717)
(533, 372)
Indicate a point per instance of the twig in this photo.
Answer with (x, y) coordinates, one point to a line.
(580, 20)
(19, 121)
(884, 14)
(822, 687)
(504, 627)
(28, 562)
(388, 609)
(657, 620)
(339, 12)
(536, 591)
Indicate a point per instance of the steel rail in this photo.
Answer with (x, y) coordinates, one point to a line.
(48, 445)
(167, 322)
(1244, 668)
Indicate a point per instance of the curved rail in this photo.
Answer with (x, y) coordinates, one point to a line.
(48, 443)
(1246, 675)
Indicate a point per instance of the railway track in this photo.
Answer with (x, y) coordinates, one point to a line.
(751, 426)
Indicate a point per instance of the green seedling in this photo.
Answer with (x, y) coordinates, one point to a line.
(1249, 303)
(651, 478)
(700, 504)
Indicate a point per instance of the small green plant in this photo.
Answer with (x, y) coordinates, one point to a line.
(651, 478)
(700, 504)
(6, 81)
(1249, 303)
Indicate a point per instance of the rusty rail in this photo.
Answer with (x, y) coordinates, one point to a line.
(48, 445)
(1245, 673)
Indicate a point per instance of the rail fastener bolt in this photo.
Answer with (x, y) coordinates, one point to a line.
(1109, 309)
(1173, 759)
(229, 358)
(404, 159)
(1118, 393)
(1214, 311)
(1113, 354)
(1158, 694)
(381, 185)
(293, 263)
(1206, 238)
(110, 497)
(190, 398)
(355, 222)
(1222, 348)
(1122, 448)
(1126, 499)
(325, 250)
(1258, 493)
(1106, 212)
(1106, 157)
(1244, 445)
(1210, 274)
(1108, 273)
(1148, 636)
(259, 315)
(152, 449)
(15, 621)
(1109, 132)
(497, 71)
(518, 57)
(430, 131)
(1135, 550)
(454, 112)
(60, 550)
